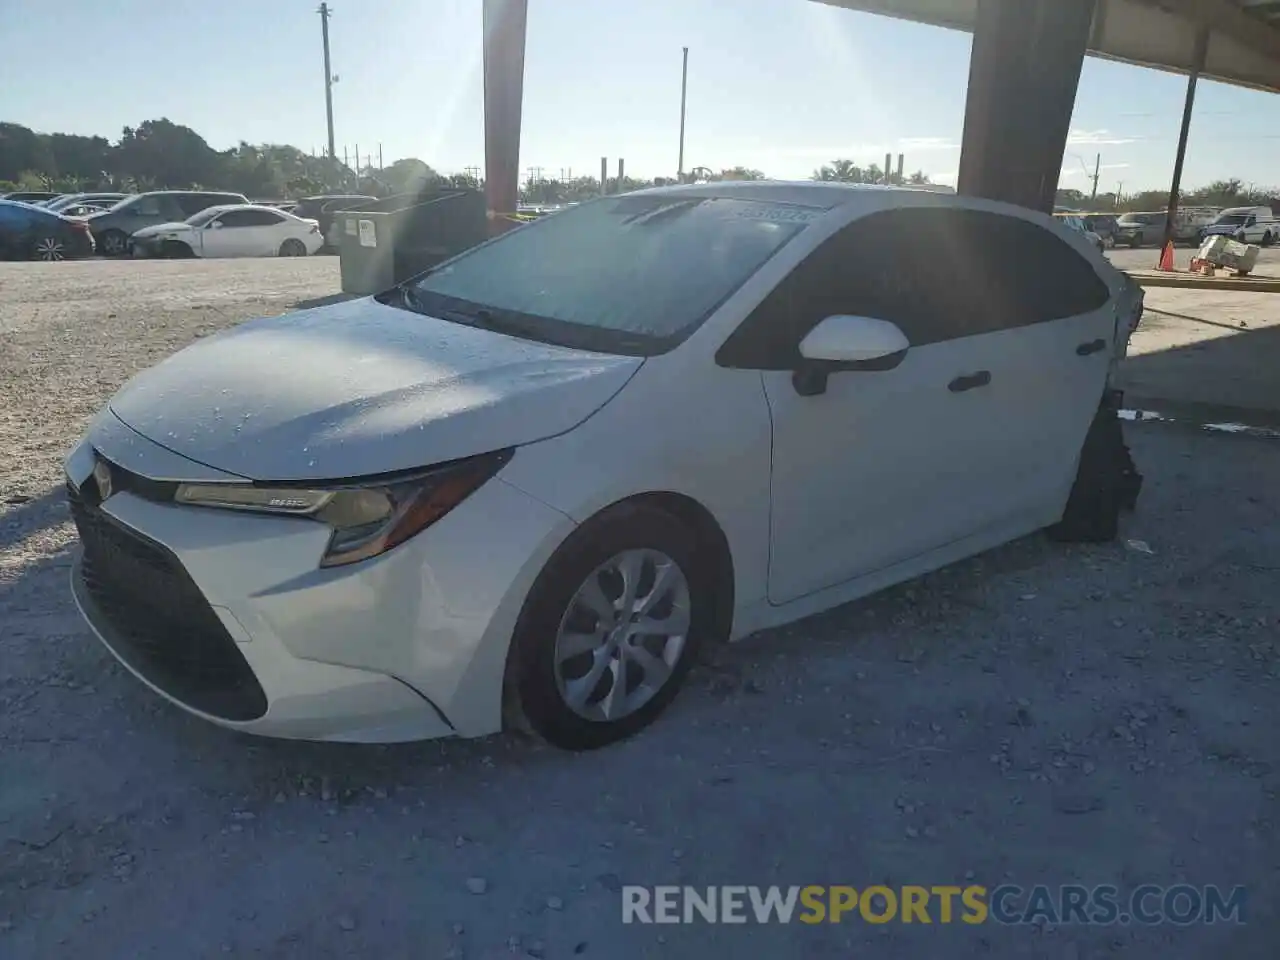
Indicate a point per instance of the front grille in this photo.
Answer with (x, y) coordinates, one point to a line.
(160, 623)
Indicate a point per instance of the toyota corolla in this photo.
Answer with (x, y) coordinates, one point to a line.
(528, 487)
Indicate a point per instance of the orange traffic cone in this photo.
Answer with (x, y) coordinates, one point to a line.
(1166, 257)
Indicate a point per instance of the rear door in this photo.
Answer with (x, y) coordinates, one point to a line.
(1057, 318)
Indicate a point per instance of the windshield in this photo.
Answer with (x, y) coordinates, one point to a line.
(203, 217)
(1232, 219)
(632, 274)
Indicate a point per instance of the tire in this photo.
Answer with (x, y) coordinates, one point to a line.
(1240, 237)
(49, 249)
(1267, 239)
(1107, 483)
(176, 250)
(293, 248)
(544, 672)
(113, 243)
(1135, 243)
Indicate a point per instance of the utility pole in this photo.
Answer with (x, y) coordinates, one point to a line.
(380, 166)
(357, 163)
(1097, 172)
(684, 90)
(325, 13)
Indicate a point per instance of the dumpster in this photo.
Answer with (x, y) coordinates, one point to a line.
(388, 241)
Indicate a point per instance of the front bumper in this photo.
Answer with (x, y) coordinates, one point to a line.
(254, 636)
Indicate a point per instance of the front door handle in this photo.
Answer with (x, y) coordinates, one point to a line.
(970, 381)
(1093, 346)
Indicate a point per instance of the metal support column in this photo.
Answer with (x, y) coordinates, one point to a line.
(1171, 214)
(1023, 73)
(504, 40)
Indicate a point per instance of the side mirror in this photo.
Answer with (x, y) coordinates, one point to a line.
(847, 343)
(214, 225)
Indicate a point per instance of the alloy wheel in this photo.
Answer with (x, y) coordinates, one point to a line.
(113, 243)
(50, 249)
(623, 634)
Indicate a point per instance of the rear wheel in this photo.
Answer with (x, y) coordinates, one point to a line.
(1107, 483)
(1268, 239)
(49, 248)
(293, 247)
(610, 629)
(113, 243)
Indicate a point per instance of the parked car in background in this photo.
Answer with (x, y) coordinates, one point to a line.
(33, 233)
(387, 499)
(322, 209)
(1140, 229)
(239, 230)
(103, 200)
(1104, 225)
(1246, 224)
(1076, 222)
(35, 197)
(112, 228)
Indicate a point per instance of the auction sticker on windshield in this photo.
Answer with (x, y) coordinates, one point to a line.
(776, 214)
(368, 234)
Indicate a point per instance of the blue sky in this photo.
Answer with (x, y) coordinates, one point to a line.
(781, 85)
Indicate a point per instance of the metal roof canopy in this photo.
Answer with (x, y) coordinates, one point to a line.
(1244, 35)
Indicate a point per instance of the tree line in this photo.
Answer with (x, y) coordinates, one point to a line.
(159, 154)
(1219, 193)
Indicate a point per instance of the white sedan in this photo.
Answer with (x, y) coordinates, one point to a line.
(231, 230)
(530, 486)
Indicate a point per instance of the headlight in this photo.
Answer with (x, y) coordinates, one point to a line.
(367, 517)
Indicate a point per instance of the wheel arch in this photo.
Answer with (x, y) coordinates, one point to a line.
(711, 545)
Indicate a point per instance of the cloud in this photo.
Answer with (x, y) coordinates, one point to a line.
(1096, 138)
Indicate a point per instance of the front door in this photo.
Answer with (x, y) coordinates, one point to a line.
(884, 465)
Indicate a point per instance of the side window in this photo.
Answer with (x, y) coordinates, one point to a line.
(148, 207)
(236, 218)
(193, 203)
(938, 273)
(258, 218)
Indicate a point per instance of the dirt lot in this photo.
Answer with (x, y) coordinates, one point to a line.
(1039, 715)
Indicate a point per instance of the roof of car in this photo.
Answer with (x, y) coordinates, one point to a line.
(823, 194)
(242, 206)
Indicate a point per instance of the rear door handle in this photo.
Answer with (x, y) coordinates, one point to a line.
(970, 381)
(1093, 346)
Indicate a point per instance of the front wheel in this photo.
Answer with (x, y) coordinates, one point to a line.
(1267, 239)
(113, 243)
(48, 249)
(293, 247)
(610, 629)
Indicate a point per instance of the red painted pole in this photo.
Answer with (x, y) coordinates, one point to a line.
(504, 41)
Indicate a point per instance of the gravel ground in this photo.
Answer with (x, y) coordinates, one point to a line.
(1037, 715)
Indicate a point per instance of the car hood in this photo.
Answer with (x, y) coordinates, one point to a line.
(361, 388)
(1223, 227)
(160, 228)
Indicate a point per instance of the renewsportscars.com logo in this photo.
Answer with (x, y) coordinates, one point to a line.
(1102, 905)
